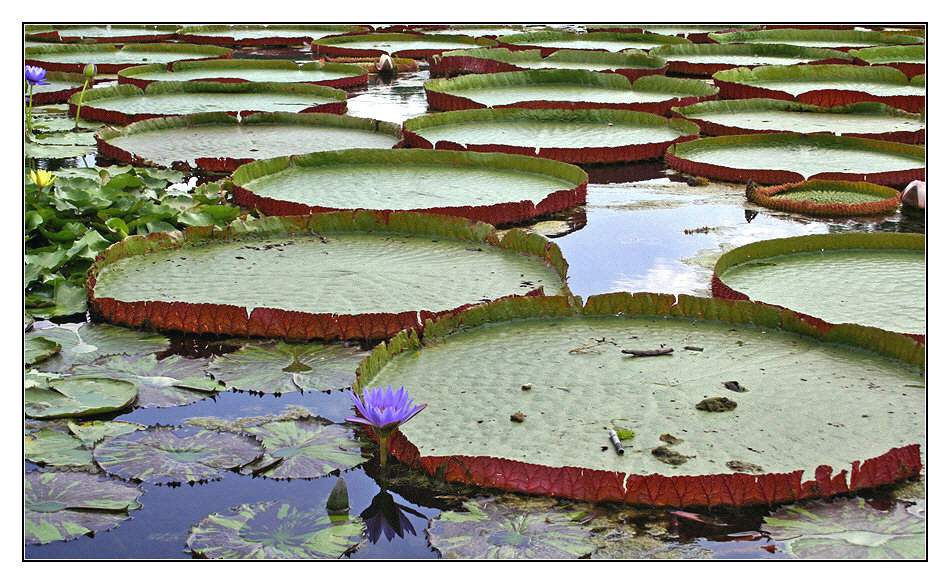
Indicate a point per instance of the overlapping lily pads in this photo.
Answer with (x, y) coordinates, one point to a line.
(566, 89)
(74, 449)
(220, 142)
(175, 454)
(275, 530)
(827, 198)
(778, 158)
(550, 41)
(124, 104)
(276, 367)
(344, 274)
(631, 65)
(873, 120)
(851, 529)
(281, 35)
(84, 343)
(824, 85)
(111, 59)
(706, 59)
(248, 70)
(842, 40)
(883, 273)
(909, 60)
(491, 530)
(61, 506)
(843, 440)
(491, 187)
(405, 45)
(304, 449)
(577, 136)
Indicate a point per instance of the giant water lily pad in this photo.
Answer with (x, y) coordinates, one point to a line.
(84, 343)
(411, 46)
(172, 381)
(827, 198)
(473, 366)
(124, 104)
(262, 35)
(706, 59)
(567, 88)
(276, 367)
(872, 120)
(806, 274)
(825, 85)
(777, 158)
(495, 188)
(578, 136)
(348, 269)
(60, 86)
(274, 530)
(911, 60)
(498, 60)
(70, 397)
(305, 449)
(124, 33)
(850, 529)
(820, 38)
(256, 70)
(550, 41)
(175, 454)
(220, 142)
(61, 506)
(111, 59)
(492, 530)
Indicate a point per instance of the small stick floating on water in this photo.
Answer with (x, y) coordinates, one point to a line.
(647, 352)
(616, 440)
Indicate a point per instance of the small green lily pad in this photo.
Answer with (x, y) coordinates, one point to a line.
(305, 448)
(46, 446)
(36, 349)
(77, 396)
(272, 530)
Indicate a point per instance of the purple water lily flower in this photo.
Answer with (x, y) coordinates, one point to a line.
(384, 410)
(35, 75)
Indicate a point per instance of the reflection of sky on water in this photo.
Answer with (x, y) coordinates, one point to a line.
(390, 101)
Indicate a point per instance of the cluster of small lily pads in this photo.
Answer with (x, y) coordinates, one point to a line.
(74, 378)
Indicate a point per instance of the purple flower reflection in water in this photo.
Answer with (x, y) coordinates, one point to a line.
(385, 516)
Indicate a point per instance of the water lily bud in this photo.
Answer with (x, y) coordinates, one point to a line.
(90, 71)
(339, 500)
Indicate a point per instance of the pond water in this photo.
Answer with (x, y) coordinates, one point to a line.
(643, 229)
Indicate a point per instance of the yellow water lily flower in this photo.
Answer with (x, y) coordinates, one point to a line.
(42, 178)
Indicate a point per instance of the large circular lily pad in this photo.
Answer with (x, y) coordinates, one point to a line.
(61, 506)
(274, 530)
(873, 120)
(566, 89)
(220, 142)
(124, 104)
(647, 363)
(272, 35)
(499, 60)
(345, 275)
(489, 187)
(244, 70)
(550, 41)
(706, 59)
(864, 278)
(842, 40)
(827, 198)
(111, 59)
(825, 85)
(60, 86)
(174, 455)
(405, 45)
(786, 158)
(85, 33)
(578, 136)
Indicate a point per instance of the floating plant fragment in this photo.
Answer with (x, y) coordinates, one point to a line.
(278, 367)
(60, 506)
(491, 529)
(848, 529)
(84, 343)
(70, 397)
(175, 454)
(172, 381)
(274, 530)
(304, 449)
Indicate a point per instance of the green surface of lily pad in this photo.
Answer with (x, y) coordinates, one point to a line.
(848, 529)
(277, 367)
(247, 33)
(84, 343)
(256, 70)
(167, 454)
(304, 449)
(396, 43)
(692, 58)
(105, 56)
(71, 397)
(54, 448)
(274, 530)
(815, 38)
(563, 59)
(812, 281)
(490, 530)
(37, 348)
(61, 506)
(604, 41)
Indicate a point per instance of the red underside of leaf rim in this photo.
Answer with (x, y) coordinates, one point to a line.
(452, 65)
(114, 117)
(820, 97)
(341, 83)
(107, 68)
(765, 196)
